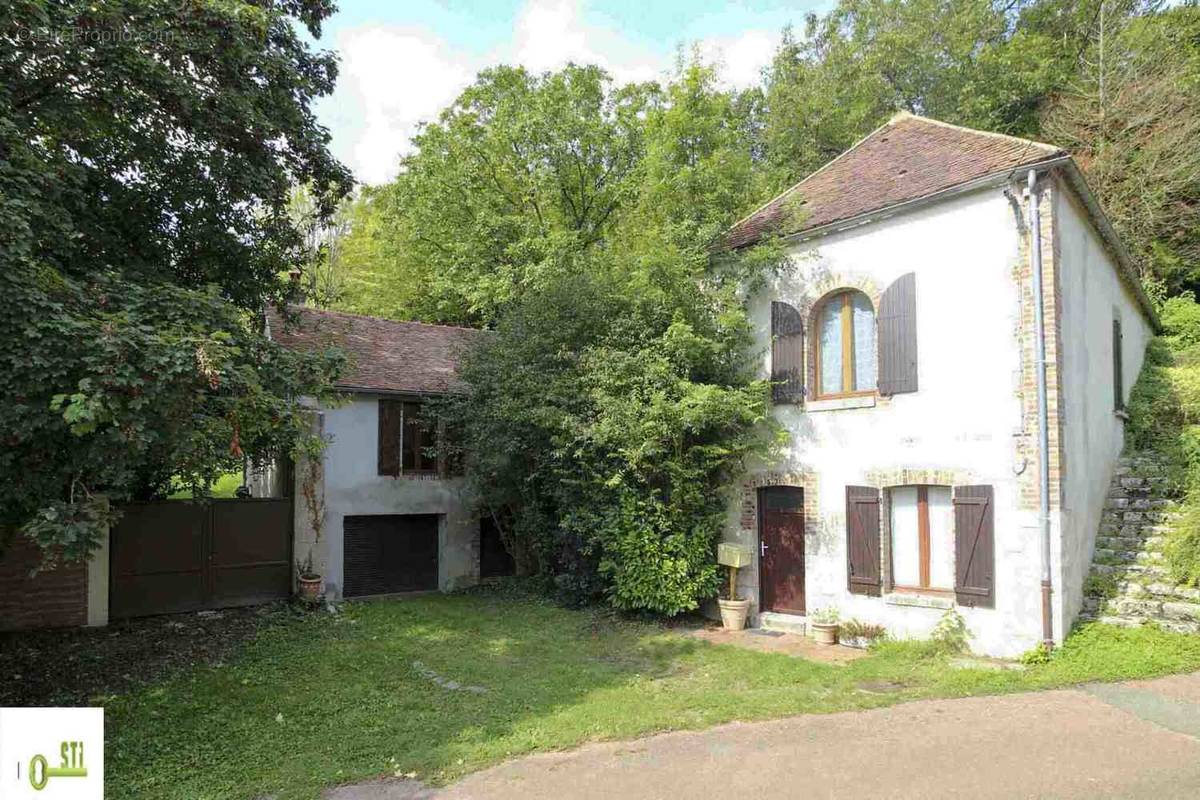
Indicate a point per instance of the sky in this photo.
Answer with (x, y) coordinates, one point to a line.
(402, 61)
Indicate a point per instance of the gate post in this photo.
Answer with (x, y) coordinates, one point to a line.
(97, 581)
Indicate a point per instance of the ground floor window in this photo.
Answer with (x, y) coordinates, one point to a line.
(922, 537)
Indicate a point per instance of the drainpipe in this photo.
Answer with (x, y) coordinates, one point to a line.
(1035, 248)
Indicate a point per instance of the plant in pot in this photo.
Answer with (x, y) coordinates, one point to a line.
(862, 635)
(825, 625)
(308, 583)
(733, 608)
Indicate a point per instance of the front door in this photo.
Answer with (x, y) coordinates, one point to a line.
(781, 548)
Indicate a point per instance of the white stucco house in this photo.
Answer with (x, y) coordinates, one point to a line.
(951, 344)
(381, 512)
(903, 339)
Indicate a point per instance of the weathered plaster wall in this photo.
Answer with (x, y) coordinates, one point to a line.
(350, 485)
(1092, 295)
(960, 426)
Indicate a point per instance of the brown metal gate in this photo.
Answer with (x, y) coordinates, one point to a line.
(178, 555)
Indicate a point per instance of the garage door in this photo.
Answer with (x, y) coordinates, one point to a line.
(389, 553)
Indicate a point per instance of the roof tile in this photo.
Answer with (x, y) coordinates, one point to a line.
(384, 355)
(908, 158)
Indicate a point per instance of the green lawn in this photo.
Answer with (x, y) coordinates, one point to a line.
(320, 700)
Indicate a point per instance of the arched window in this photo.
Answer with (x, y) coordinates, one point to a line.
(845, 350)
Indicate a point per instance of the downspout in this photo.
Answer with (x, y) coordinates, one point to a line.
(1035, 250)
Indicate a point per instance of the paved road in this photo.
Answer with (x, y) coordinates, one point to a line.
(1134, 740)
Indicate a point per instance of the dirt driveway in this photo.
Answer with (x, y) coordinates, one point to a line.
(1134, 740)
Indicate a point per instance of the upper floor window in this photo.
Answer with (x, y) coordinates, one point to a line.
(846, 348)
(407, 438)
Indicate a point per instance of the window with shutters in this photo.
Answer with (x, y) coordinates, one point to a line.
(1118, 369)
(922, 538)
(787, 354)
(407, 438)
(845, 345)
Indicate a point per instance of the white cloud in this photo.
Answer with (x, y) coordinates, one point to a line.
(741, 57)
(393, 78)
(549, 34)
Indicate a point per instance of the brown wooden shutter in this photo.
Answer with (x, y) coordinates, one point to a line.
(974, 546)
(862, 539)
(390, 419)
(787, 354)
(1118, 369)
(898, 337)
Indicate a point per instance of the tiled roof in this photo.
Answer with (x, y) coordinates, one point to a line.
(908, 158)
(384, 355)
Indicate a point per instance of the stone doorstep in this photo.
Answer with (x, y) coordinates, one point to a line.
(787, 623)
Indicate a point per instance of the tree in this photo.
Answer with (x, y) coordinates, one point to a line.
(609, 414)
(988, 64)
(1132, 119)
(146, 152)
(519, 176)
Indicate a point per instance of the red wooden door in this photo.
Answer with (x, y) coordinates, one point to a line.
(781, 549)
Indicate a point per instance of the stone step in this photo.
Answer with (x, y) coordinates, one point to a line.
(1153, 591)
(1136, 622)
(1150, 571)
(1148, 543)
(1106, 556)
(787, 623)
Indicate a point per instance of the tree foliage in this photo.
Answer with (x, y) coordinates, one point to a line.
(607, 417)
(1131, 117)
(146, 153)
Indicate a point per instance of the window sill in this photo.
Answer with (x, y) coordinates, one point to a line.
(919, 600)
(841, 403)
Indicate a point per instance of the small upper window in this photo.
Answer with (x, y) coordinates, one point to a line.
(1118, 368)
(846, 350)
(407, 438)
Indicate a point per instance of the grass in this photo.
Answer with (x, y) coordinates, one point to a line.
(324, 699)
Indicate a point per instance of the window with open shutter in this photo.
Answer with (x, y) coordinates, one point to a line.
(862, 539)
(391, 417)
(898, 337)
(975, 546)
(787, 354)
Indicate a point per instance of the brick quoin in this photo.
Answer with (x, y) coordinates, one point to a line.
(52, 599)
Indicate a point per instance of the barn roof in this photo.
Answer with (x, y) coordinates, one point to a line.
(384, 355)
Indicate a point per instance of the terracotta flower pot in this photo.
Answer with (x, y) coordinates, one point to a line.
(733, 613)
(309, 587)
(825, 632)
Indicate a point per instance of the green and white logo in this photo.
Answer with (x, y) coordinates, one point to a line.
(71, 767)
(51, 753)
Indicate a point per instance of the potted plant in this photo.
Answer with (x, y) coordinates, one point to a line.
(734, 609)
(853, 633)
(825, 625)
(308, 583)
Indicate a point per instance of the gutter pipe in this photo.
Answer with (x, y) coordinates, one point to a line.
(1035, 252)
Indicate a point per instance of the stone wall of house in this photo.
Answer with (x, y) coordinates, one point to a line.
(1089, 427)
